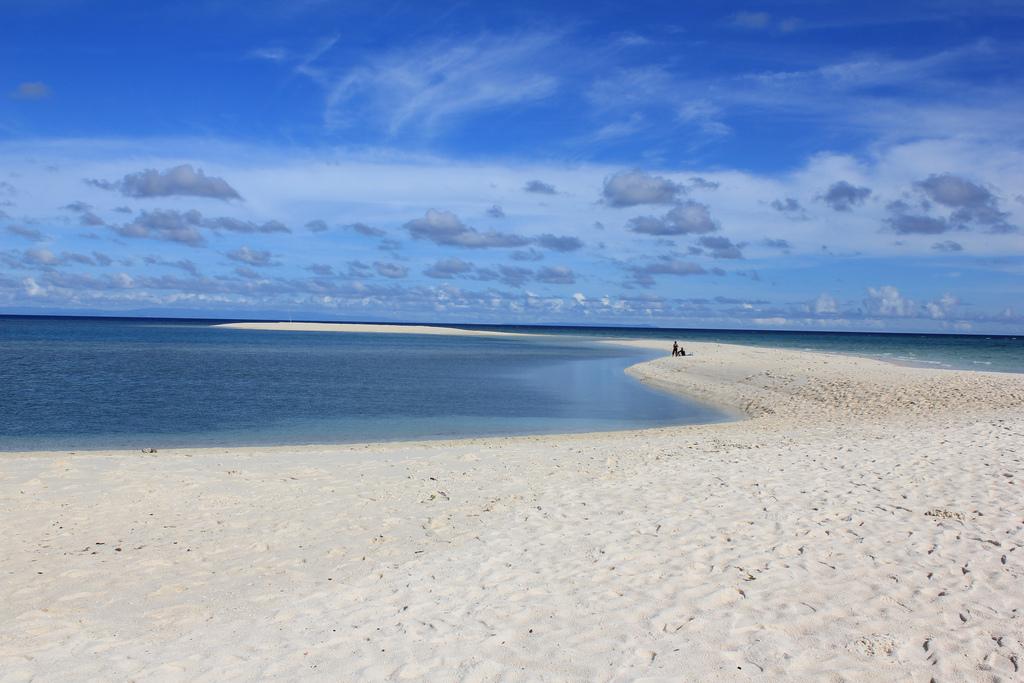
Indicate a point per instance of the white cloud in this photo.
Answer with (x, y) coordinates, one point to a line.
(887, 300)
(386, 189)
(42, 257)
(688, 218)
(825, 304)
(630, 188)
(252, 257)
(556, 275)
(444, 227)
(270, 54)
(942, 307)
(843, 196)
(539, 187)
(182, 180)
(390, 270)
(32, 287)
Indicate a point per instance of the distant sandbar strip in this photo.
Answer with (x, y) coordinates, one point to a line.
(361, 328)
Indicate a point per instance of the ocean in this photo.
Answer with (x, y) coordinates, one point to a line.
(993, 353)
(99, 383)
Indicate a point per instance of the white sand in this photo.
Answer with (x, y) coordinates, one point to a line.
(365, 328)
(866, 523)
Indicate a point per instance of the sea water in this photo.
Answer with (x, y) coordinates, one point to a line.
(994, 353)
(90, 383)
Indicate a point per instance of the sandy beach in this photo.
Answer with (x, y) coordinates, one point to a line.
(364, 328)
(862, 522)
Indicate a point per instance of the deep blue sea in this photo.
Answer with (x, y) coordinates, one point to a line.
(90, 383)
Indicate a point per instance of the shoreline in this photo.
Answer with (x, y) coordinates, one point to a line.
(658, 343)
(728, 413)
(736, 407)
(862, 523)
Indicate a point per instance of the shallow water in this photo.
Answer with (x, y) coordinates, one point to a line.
(117, 383)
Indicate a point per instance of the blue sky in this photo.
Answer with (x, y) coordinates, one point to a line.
(790, 165)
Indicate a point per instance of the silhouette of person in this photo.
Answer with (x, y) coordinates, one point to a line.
(675, 348)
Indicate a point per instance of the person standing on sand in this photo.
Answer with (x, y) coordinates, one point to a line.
(675, 348)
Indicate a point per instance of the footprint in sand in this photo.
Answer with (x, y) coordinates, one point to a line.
(875, 645)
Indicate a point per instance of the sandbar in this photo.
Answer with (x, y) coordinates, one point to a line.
(365, 328)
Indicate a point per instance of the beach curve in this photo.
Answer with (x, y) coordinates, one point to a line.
(863, 522)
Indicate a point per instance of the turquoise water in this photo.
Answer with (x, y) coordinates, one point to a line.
(121, 383)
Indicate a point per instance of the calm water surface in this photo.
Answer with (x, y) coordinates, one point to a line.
(81, 383)
(112, 383)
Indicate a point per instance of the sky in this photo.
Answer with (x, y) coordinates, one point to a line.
(778, 165)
